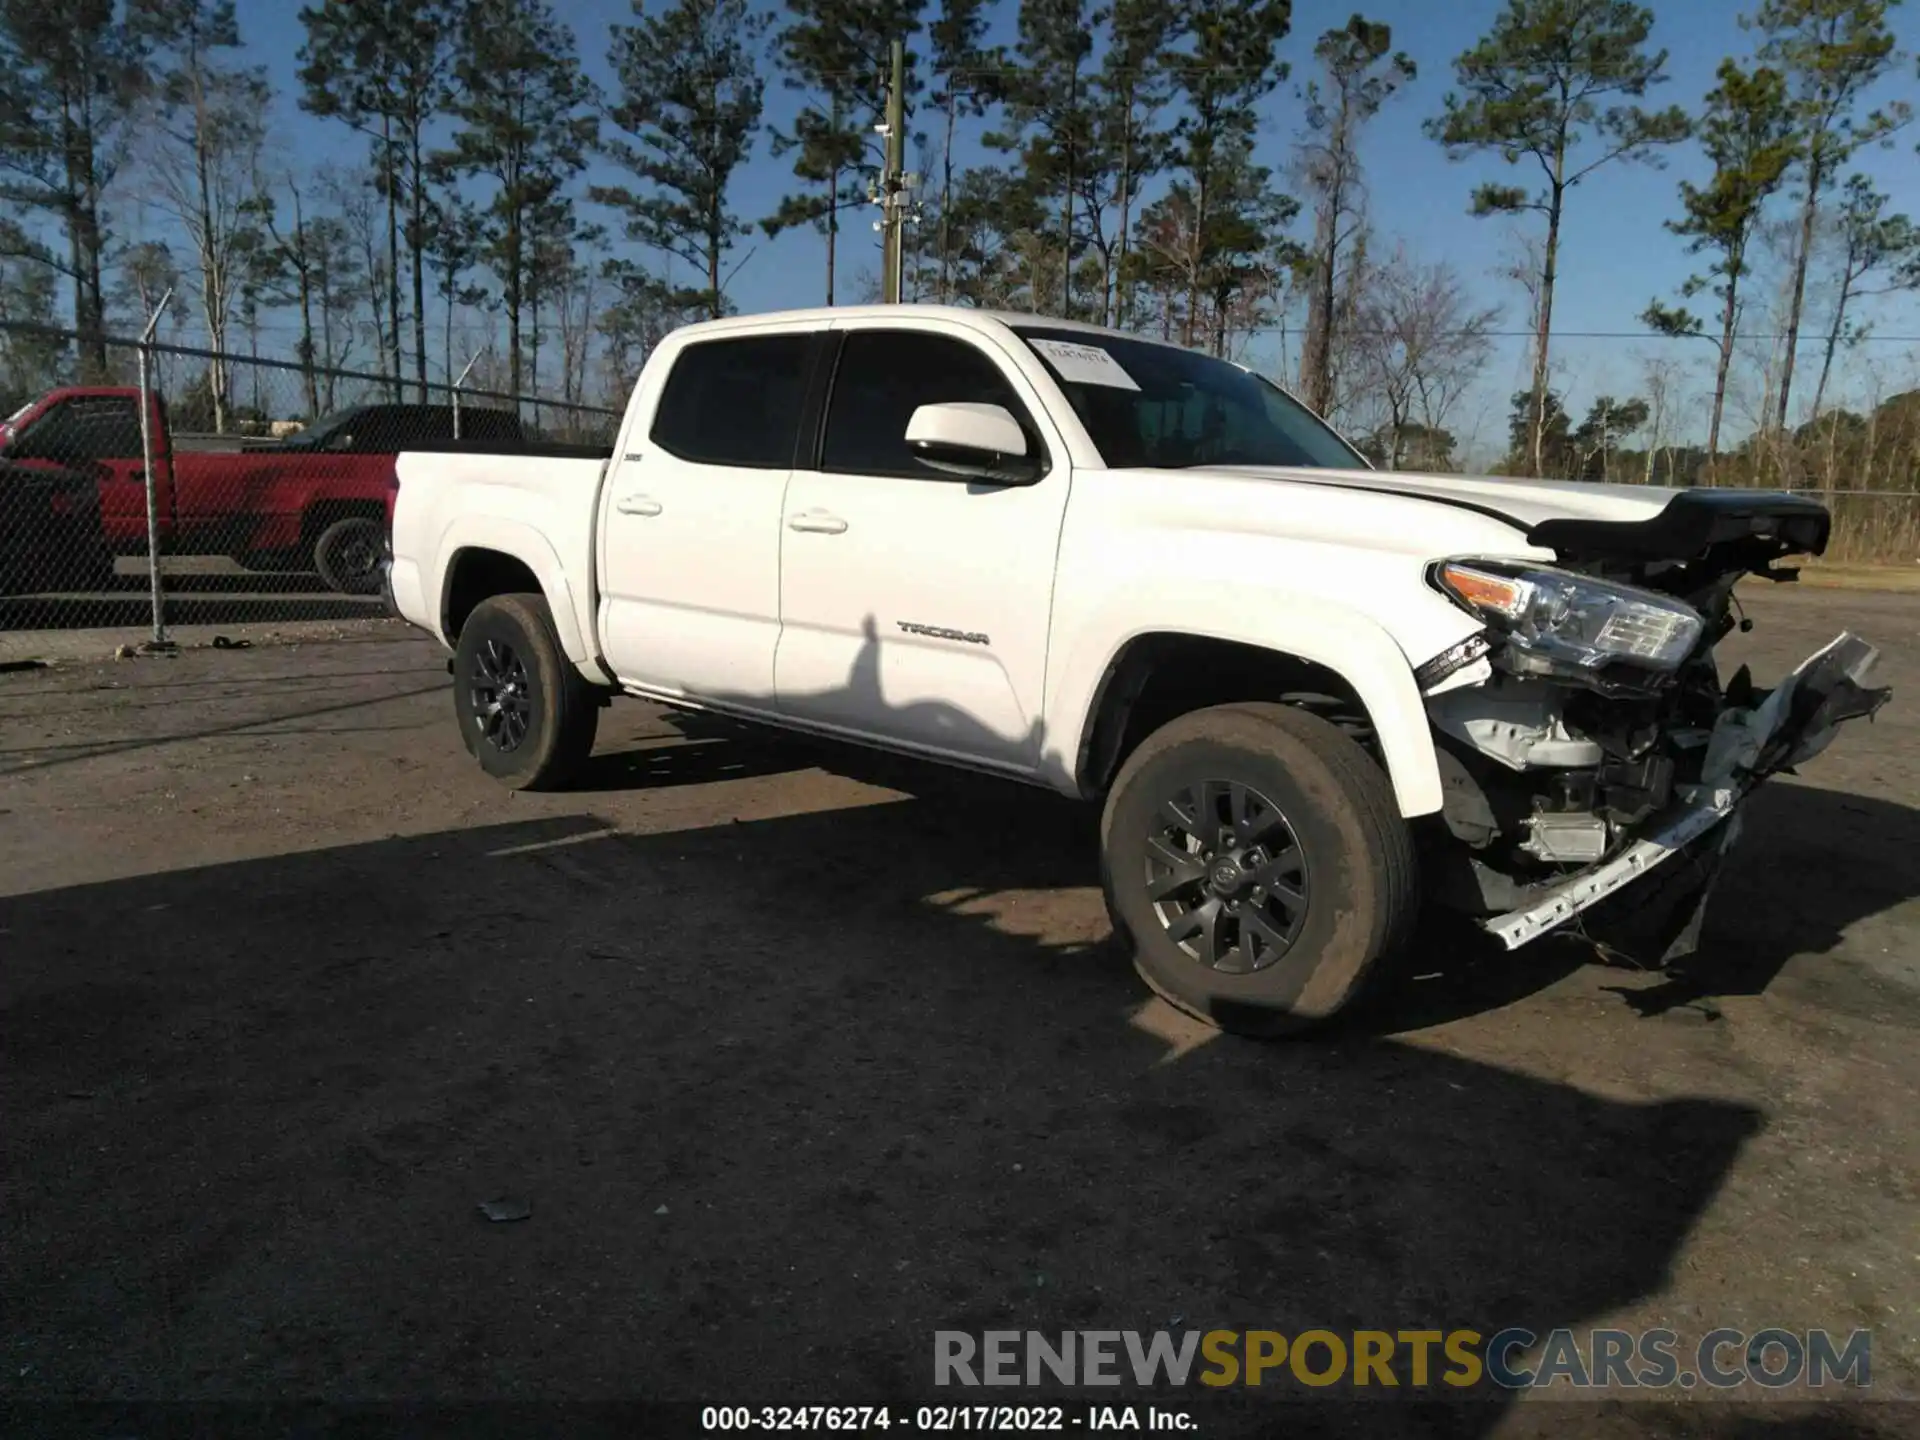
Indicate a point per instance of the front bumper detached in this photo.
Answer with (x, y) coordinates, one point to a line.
(1794, 723)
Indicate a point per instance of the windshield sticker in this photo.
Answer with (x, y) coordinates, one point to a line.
(1085, 364)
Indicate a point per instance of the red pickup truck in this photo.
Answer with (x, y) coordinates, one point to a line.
(321, 500)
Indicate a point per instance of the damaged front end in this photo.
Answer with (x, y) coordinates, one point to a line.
(1586, 740)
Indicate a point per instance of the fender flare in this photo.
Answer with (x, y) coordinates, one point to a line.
(1352, 645)
(527, 545)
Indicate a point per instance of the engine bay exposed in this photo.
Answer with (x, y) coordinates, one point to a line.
(1555, 764)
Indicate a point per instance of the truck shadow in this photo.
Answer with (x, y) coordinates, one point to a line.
(1811, 864)
(803, 1088)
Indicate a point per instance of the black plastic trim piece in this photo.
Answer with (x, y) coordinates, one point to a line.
(531, 449)
(1693, 522)
(1454, 657)
(822, 364)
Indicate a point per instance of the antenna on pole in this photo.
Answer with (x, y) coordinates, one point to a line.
(893, 196)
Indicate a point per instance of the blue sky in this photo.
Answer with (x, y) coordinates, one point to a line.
(1616, 254)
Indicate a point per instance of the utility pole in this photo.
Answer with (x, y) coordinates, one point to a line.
(893, 183)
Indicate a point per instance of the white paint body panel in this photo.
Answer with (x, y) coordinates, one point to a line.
(711, 597)
(540, 511)
(944, 554)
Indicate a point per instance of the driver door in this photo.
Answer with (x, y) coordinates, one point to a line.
(915, 605)
(98, 436)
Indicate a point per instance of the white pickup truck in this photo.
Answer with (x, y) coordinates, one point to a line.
(1310, 695)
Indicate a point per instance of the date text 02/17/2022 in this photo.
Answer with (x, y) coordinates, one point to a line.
(943, 1419)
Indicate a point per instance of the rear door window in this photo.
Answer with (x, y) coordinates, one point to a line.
(735, 401)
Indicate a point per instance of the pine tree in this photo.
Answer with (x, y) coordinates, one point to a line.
(1132, 88)
(1608, 422)
(691, 94)
(993, 214)
(520, 102)
(838, 50)
(70, 76)
(382, 66)
(1539, 435)
(1547, 79)
(32, 355)
(1050, 102)
(1747, 133)
(1228, 67)
(453, 244)
(1831, 52)
(967, 79)
(1359, 77)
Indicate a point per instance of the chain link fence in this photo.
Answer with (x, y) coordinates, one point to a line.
(248, 490)
(242, 491)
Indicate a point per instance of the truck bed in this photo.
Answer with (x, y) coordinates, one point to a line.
(539, 504)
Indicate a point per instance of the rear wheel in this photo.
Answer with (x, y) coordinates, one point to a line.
(1255, 859)
(347, 555)
(525, 713)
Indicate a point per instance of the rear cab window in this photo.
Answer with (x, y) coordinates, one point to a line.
(736, 401)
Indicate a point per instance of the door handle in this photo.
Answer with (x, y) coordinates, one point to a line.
(817, 522)
(637, 505)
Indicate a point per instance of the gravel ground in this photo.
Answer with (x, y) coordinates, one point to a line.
(797, 1055)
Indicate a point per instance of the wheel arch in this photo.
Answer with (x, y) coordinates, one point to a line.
(499, 557)
(1352, 674)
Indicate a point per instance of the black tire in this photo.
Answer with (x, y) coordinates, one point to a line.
(347, 555)
(511, 638)
(1278, 968)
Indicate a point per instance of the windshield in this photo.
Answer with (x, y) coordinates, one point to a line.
(1151, 406)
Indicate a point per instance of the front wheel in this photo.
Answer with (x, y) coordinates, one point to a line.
(1255, 859)
(525, 713)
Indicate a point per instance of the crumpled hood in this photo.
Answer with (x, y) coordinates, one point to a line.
(1525, 502)
(1584, 522)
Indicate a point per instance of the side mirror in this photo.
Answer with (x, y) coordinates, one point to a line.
(980, 442)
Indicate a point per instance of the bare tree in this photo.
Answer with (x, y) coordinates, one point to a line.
(202, 151)
(352, 196)
(1358, 77)
(1662, 381)
(1867, 239)
(1422, 343)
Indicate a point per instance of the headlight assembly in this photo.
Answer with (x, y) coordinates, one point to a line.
(1572, 619)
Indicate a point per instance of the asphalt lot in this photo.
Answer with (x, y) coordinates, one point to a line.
(798, 1055)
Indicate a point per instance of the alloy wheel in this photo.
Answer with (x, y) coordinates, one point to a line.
(500, 695)
(1226, 876)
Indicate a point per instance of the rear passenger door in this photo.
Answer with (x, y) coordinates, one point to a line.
(690, 539)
